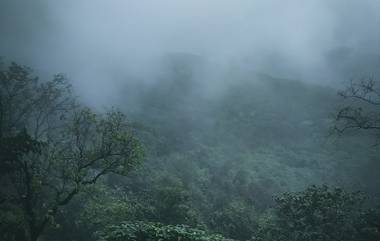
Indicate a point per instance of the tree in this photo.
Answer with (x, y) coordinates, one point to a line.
(140, 231)
(362, 112)
(52, 147)
(320, 214)
(236, 220)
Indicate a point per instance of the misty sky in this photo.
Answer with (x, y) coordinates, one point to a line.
(99, 44)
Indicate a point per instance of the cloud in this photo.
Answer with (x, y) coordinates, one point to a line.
(96, 41)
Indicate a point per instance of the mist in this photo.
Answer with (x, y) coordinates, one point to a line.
(99, 44)
(225, 120)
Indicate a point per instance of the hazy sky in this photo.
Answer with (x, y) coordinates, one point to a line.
(99, 42)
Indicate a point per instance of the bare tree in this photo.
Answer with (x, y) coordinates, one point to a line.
(362, 108)
(52, 147)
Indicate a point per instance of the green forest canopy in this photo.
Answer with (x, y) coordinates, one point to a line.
(210, 164)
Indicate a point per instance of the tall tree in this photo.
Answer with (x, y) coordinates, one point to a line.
(52, 147)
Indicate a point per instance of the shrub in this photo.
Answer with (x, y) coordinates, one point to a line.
(141, 231)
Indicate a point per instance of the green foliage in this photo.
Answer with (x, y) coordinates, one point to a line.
(237, 220)
(370, 228)
(102, 206)
(12, 224)
(212, 162)
(52, 147)
(140, 231)
(13, 148)
(319, 214)
(172, 205)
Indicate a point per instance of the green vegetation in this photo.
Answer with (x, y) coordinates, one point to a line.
(212, 167)
(52, 148)
(153, 231)
(320, 213)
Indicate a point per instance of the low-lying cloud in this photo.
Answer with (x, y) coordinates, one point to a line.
(100, 44)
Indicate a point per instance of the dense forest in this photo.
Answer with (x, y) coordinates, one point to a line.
(184, 168)
(189, 120)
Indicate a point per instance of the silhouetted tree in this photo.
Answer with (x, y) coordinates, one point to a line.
(362, 109)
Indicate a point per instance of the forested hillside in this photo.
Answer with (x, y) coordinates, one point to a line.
(218, 162)
(190, 120)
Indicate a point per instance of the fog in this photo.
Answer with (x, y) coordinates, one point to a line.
(183, 119)
(100, 44)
